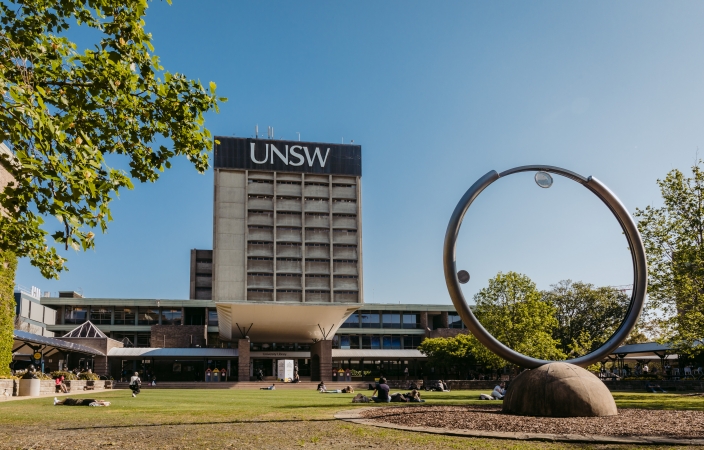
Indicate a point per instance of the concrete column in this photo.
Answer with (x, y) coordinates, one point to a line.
(243, 360)
(321, 361)
(332, 246)
(360, 260)
(444, 319)
(303, 238)
(424, 322)
(246, 234)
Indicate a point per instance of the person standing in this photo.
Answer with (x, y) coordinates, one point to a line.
(405, 374)
(135, 384)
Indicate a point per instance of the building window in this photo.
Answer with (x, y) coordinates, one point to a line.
(454, 321)
(143, 340)
(75, 314)
(212, 317)
(411, 321)
(100, 315)
(124, 316)
(396, 342)
(171, 316)
(127, 339)
(371, 342)
(386, 342)
(412, 342)
(148, 316)
(344, 342)
(391, 320)
(351, 322)
(370, 320)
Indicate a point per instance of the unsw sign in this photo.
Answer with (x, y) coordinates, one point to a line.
(287, 156)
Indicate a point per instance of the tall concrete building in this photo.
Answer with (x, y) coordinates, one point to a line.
(287, 222)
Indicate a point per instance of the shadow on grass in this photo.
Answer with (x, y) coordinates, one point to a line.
(171, 424)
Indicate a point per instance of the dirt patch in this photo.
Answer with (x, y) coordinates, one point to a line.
(628, 422)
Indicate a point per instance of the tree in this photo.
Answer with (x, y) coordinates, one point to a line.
(512, 309)
(65, 113)
(8, 264)
(586, 315)
(674, 241)
(448, 355)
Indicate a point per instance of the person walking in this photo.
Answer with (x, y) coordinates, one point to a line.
(135, 384)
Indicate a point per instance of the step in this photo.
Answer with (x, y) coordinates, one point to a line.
(311, 385)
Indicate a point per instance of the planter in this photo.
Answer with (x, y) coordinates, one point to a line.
(30, 388)
(7, 388)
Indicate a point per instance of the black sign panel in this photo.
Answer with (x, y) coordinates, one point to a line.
(288, 156)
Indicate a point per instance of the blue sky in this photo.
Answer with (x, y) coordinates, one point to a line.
(437, 94)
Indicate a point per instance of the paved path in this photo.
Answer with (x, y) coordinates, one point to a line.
(355, 416)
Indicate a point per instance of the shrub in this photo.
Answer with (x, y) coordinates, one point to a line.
(42, 376)
(88, 376)
(66, 375)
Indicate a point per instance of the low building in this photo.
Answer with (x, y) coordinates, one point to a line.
(181, 339)
(284, 280)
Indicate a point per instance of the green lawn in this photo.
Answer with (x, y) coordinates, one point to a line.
(242, 419)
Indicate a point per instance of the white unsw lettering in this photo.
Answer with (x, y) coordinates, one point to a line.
(316, 153)
(266, 155)
(294, 153)
(276, 150)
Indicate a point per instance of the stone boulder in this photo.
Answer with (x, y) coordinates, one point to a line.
(559, 390)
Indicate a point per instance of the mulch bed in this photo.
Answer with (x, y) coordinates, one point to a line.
(629, 422)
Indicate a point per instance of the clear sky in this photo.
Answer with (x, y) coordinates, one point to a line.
(437, 94)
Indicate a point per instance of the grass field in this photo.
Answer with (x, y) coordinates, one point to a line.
(201, 419)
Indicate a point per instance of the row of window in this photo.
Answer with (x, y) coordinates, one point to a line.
(255, 346)
(376, 342)
(130, 315)
(382, 319)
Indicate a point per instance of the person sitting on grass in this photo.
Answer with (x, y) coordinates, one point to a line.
(80, 402)
(383, 390)
(321, 387)
(270, 388)
(499, 391)
(414, 396)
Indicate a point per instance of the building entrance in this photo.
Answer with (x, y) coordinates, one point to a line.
(265, 365)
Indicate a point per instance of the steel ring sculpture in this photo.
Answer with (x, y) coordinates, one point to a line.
(640, 269)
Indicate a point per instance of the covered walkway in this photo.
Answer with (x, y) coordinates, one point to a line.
(29, 348)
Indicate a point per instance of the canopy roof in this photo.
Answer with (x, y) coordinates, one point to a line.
(281, 322)
(645, 348)
(24, 339)
(85, 330)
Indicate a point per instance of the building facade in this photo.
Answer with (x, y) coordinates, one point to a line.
(284, 280)
(156, 334)
(286, 222)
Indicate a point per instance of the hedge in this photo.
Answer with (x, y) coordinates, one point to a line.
(8, 265)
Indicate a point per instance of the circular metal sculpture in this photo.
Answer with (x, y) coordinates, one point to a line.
(635, 244)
